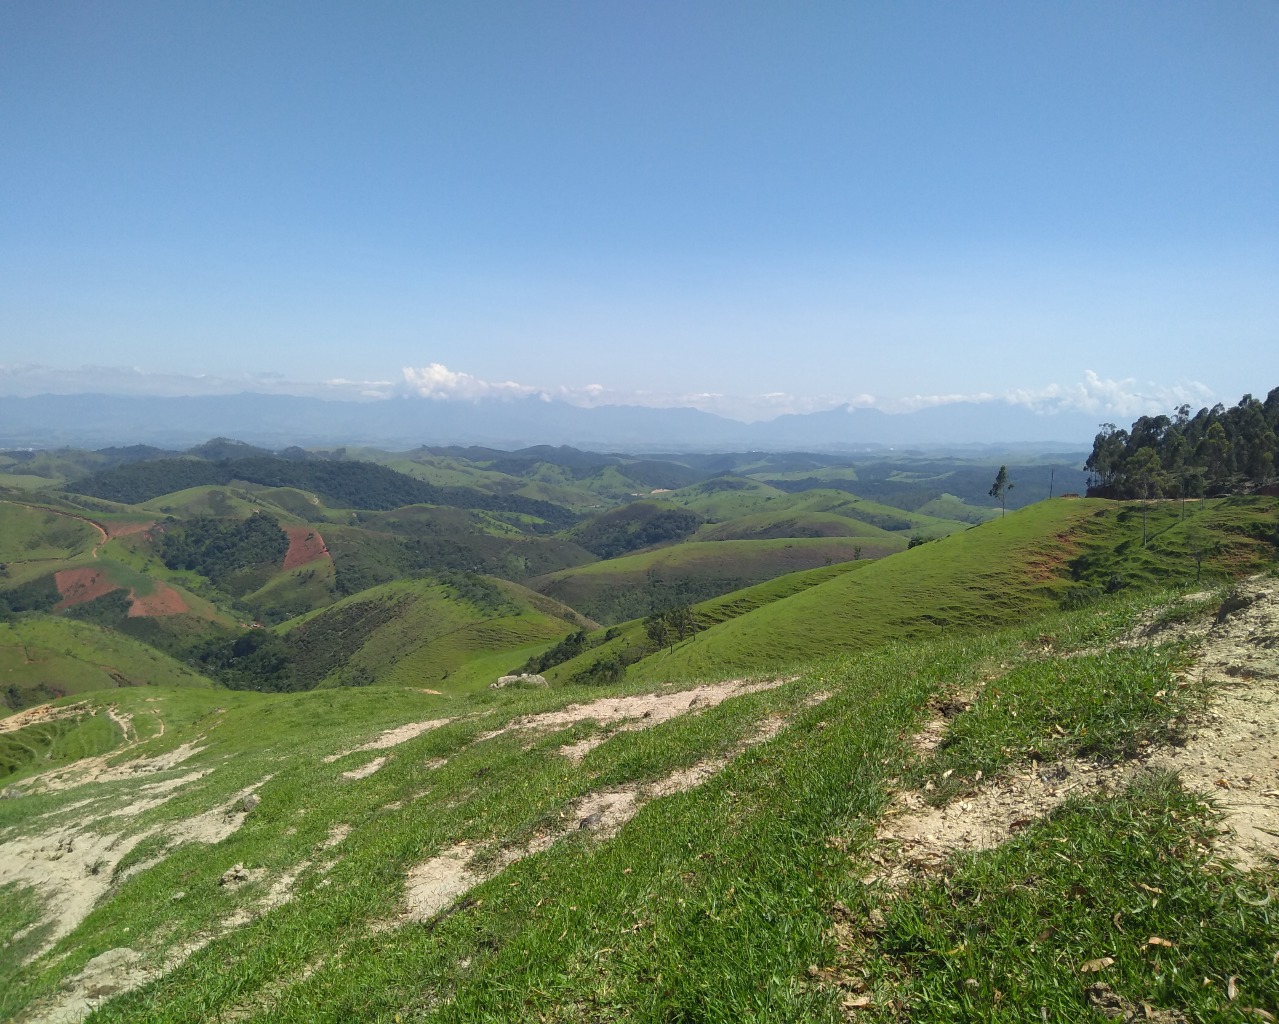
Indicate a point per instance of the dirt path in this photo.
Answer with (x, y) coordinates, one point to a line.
(435, 884)
(102, 532)
(1232, 755)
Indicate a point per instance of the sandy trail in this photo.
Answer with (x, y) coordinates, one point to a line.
(1232, 755)
(391, 738)
(437, 883)
(41, 714)
(641, 711)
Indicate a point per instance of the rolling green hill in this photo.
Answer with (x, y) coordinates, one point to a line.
(726, 499)
(1065, 551)
(421, 632)
(618, 589)
(34, 534)
(46, 657)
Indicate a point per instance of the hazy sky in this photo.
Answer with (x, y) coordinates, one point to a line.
(820, 202)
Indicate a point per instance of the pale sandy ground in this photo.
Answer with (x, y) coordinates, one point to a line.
(436, 883)
(71, 868)
(1232, 754)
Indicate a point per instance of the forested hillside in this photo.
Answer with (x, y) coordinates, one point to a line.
(1216, 451)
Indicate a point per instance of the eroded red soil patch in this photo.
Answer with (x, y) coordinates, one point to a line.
(79, 585)
(305, 546)
(128, 529)
(163, 600)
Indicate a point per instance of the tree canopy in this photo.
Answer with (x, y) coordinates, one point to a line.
(1216, 451)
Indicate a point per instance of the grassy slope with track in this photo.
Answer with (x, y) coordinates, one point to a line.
(730, 499)
(999, 573)
(424, 632)
(721, 903)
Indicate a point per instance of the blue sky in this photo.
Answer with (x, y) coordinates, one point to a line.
(751, 207)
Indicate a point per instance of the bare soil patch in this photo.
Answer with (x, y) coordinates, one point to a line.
(436, 883)
(305, 546)
(70, 869)
(41, 714)
(128, 529)
(365, 770)
(642, 710)
(392, 738)
(80, 585)
(1232, 755)
(163, 600)
(106, 975)
(99, 769)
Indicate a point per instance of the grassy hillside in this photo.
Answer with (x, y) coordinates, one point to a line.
(629, 587)
(420, 632)
(729, 499)
(999, 573)
(723, 864)
(46, 657)
(30, 534)
(785, 523)
(423, 538)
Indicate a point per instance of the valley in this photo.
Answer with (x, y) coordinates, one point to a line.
(777, 740)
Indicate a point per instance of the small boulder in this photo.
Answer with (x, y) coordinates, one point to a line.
(522, 679)
(237, 875)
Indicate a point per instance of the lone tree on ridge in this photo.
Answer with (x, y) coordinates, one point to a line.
(1000, 488)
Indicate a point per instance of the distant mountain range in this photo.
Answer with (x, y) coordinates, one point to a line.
(280, 420)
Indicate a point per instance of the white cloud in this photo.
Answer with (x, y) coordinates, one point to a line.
(27, 379)
(1102, 397)
(1121, 399)
(435, 380)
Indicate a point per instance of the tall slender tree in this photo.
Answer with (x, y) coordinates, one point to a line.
(1000, 488)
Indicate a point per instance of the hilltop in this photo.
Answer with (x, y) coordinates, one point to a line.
(880, 759)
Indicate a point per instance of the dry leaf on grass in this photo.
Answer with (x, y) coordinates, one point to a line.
(1100, 964)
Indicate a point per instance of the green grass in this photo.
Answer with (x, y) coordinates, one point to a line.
(1004, 938)
(948, 506)
(1106, 707)
(294, 592)
(710, 905)
(45, 657)
(421, 632)
(724, 501)
(27, 482)
(632, 585)
(1228, 536)
(229, 502)
(787, 524)
(57, 742)
(31, 534)
(999, 573)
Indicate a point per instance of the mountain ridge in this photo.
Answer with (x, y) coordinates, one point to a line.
(279, 420)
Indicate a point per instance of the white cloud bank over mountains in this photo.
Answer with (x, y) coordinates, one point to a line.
(1124, 399)
(1104, 398)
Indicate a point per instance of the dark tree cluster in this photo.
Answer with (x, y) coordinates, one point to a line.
(1216, 451)
(218, 548)
(634, 526)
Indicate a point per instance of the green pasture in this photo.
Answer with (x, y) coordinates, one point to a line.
(715, 904)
